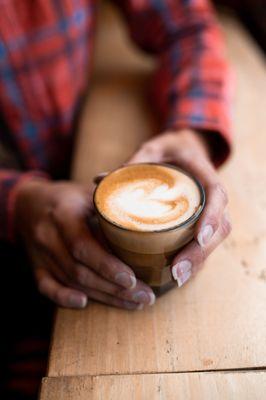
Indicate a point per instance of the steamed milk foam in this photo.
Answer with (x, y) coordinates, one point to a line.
(147, 197)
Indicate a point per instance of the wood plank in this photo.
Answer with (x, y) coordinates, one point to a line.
(189, 386)
(218, 320)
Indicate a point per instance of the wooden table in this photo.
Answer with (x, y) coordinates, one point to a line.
(206, 340)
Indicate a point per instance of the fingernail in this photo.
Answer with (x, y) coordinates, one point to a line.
(141, 297)
(77, 301)
(144, 297)
(126, 280)
(182, 272)
(205, 235)
(152, 299)
(132, 306)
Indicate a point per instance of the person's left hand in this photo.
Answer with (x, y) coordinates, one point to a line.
(188, 150)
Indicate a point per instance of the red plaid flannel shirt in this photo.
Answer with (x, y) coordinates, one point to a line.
(46, 49)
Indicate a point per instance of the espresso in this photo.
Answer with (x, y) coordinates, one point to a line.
(148, 197)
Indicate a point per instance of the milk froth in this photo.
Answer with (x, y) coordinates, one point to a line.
(147, 197)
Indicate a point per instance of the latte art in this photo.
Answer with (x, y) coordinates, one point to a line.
(149, 202)
(147, 197)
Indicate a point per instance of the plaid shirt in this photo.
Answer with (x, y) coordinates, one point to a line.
(46, 50)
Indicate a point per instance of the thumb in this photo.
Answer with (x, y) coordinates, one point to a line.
(148, 152)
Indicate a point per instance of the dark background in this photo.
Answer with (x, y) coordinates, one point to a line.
(252, 14)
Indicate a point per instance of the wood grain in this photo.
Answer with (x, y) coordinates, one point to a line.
(218, 320)
(188, 386)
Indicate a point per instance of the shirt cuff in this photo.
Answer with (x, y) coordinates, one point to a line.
(215, 124)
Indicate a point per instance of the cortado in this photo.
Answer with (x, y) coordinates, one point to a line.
(148, 197)
(147, 212)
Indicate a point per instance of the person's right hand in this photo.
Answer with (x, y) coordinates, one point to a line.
(69, 264)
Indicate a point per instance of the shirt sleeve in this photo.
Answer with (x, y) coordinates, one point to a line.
(193, 84)
(10, 180)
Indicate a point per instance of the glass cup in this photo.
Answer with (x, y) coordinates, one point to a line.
(150, 253)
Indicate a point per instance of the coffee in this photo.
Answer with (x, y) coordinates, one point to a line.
(148, 212)
(146, 197)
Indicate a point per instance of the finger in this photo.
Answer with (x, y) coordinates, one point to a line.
(140, 294)
(197, 165)
(189, 260)
(41, 257)
(216, 201)
(57, 292)
(55, 257)
(216, 197)
(86, 250)
(113, 301)
(88, 279)
(53, 253)
(148, 152)
(49, 242)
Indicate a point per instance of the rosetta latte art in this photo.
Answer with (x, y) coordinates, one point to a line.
(148, 202)
(150, 198)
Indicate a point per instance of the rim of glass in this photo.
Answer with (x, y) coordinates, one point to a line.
(183, 224)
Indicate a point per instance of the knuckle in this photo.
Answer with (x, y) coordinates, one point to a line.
(78, 250)
(147, 147)
(103, 268)
(202, 255)
(187, 156)
(82, 277)
(198, 254)
(41, 286)
(226, 227)
(213, 221)
(119, 293)
(108, 266)
(57, 212)
(150, 148)
(77, 275)
(219, 188)
(71, 272)
(57, 298)
(40, 234)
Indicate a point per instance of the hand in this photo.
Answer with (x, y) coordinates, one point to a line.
(69, 264)
(189, 150)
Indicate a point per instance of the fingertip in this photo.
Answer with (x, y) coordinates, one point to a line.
(212, 215)
(227, 217)
(126, 280)
(182, 271)
(205, 234)
(77, 300)
(152, 298)
(129, 305)
(206, 228)
(133, 281)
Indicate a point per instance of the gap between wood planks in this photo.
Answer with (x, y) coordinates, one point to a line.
(227, 370)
